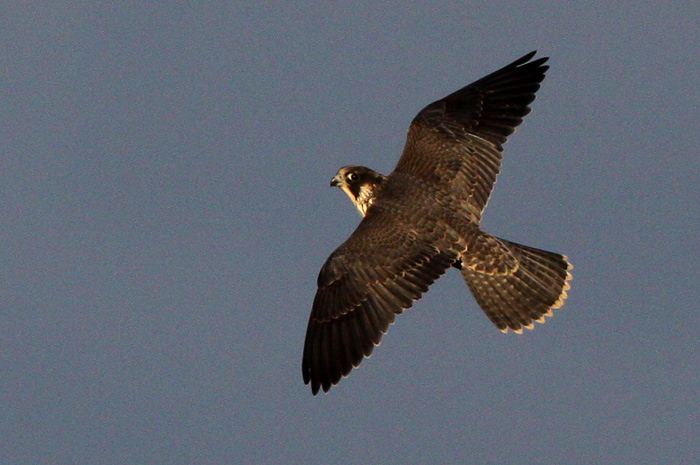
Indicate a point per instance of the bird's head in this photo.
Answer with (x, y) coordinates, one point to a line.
(360, 184)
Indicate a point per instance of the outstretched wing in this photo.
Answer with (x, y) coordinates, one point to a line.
(377, 273)
(456, 142)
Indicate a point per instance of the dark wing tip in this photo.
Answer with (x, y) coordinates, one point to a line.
(525, 59)
(493, 106)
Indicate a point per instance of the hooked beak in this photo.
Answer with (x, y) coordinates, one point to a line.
(335, 182)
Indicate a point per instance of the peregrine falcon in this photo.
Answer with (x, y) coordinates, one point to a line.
(424, 218)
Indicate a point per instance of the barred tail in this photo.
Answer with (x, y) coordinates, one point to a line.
(524, 293)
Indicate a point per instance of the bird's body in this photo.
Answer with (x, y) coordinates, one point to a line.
(424, 218)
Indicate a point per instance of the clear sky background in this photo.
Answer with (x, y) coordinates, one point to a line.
(165, 211)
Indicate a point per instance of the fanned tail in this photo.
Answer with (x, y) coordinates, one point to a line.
(533, 283)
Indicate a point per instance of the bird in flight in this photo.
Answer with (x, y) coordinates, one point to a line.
(424, 218)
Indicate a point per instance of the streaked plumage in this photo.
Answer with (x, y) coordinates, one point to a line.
(424, 218)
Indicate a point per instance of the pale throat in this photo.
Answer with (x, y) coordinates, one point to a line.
(365, 198)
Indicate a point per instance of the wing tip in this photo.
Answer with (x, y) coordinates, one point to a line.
(324, 383)
(525, 59)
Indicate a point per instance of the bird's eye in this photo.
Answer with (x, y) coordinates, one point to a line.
(353, 176)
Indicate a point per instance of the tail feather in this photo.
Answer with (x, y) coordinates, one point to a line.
(534, 283)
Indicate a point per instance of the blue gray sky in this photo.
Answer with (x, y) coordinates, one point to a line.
(165, 212)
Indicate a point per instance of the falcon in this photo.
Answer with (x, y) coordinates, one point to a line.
(423, 219)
